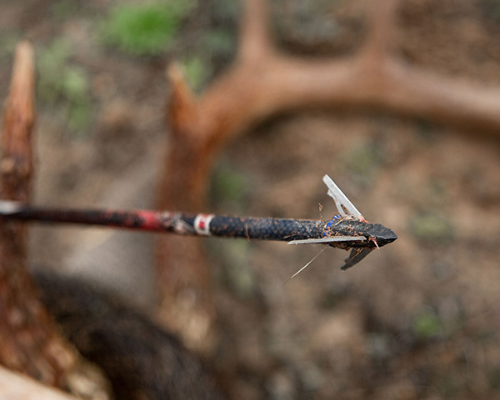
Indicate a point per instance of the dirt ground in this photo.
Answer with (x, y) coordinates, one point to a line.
(416, 320)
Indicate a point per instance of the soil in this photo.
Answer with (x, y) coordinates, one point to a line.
(415, 320)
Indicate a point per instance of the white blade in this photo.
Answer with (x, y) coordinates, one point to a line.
(329, 240)
(343, 204)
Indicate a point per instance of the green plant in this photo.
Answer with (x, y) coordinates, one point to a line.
(63, 9)
(220, 41)
(8, 42)
(229, 188)
(427, 325)
(364, 161)
(196, 72)
(237, 274)
(64, 84)
(432, 227)
(144, 28)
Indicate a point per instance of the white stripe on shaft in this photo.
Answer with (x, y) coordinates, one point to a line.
(9, 207)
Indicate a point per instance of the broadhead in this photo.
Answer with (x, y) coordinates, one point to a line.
(379, 233)
(382, 234)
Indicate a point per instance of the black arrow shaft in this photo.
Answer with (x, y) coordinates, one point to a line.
(206, 224)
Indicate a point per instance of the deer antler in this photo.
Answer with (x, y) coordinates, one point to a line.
(17, 386)
(262, 82)
(29, 341)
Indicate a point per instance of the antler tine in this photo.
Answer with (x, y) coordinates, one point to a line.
(382, 18)
(263, 82)
(255, 40)
(33, 347)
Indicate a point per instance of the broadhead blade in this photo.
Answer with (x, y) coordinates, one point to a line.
(355, 257)
(330, 239)
(343, 204)
(382, 234)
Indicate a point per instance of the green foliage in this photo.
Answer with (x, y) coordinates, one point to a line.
(429, 226)
(8, 42)
(214, 45)
(236, 274)
(228, 189)
(196, 72)
(228, 10)
(220, 41)
(144, 28)
(364, 161)
(64, 84)
(63, 9)
(427, 325)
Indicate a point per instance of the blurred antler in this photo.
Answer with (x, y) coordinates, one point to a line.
(262, 82)
(16, 386)
(29, 341)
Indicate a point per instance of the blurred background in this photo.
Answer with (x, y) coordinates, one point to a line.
(416, 320)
